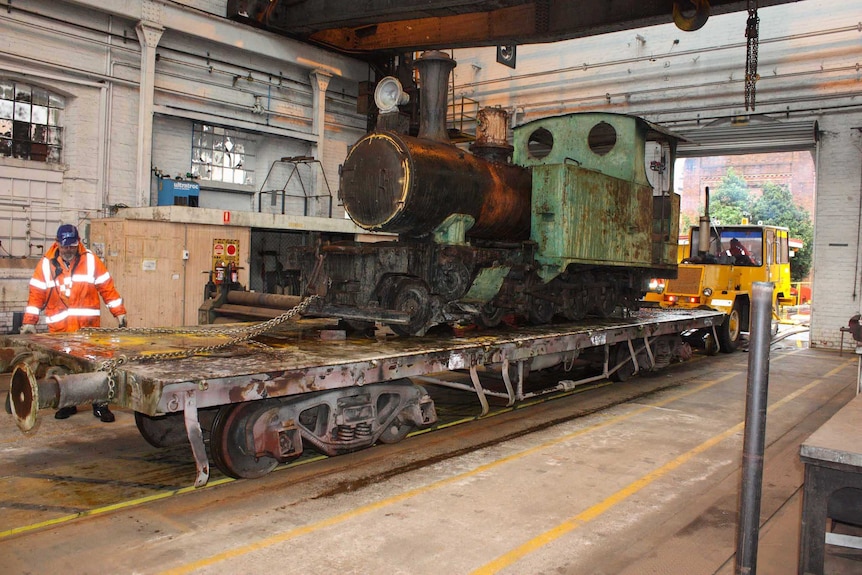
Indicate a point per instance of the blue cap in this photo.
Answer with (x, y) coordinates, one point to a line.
(67, 235)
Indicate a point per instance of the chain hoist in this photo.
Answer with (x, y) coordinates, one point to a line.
(752, 35)
(242, 334)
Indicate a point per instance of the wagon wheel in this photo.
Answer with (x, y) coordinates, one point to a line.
(232, 446)
(395, 431)
(162, 431)
(410, 295)
(621, 353)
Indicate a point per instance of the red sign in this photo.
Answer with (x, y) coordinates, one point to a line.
(225, 217)
(218, 249)
(231, 250)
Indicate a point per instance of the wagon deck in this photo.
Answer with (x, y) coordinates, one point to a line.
(302, 359)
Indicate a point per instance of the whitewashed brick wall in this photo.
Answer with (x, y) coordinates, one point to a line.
(837, 288)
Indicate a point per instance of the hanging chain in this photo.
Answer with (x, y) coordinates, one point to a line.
(242, 334)
(752, 34)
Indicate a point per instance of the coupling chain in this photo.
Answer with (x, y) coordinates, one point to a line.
(244, 334)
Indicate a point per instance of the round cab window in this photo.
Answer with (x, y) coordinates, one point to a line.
(540, 143)
(602, 138)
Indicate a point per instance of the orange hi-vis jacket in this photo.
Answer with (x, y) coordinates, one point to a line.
(69, 295)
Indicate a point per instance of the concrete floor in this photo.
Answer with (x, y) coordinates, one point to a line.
(645, 480)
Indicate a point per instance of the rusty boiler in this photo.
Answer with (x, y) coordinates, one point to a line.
(411, 185)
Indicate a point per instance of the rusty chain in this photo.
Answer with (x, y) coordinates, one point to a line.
(752, 35)
(243, 334)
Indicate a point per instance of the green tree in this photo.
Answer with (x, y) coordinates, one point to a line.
(730, 200)
(776, 207)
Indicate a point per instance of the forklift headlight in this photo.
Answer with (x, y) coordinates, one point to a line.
(707, 291)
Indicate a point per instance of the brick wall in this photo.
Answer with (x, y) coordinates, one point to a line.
(837, 289)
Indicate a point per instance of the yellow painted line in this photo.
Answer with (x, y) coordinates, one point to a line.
(107, 508)
(135, 502)
(335, 520)
(591, 513)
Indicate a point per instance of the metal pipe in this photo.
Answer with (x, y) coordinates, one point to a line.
(28, 395)
(266, 300)
(755, 428)
(703, 229)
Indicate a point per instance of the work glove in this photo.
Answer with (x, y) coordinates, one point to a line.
(122, 320)
(28, 328)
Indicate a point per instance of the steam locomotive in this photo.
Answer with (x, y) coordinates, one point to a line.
(575, 224)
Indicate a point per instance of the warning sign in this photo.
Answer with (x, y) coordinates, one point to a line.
(225, 252)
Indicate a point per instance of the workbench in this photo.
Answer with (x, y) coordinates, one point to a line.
(832, 456)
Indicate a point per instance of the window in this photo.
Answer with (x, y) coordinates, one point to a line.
(222, 155)
(30, 122)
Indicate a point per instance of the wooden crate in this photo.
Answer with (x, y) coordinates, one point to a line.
(161, 288)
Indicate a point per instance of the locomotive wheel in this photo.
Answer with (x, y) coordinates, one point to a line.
(491, 315)
(608, 302)
(231, 428)
(576, 308)
(162, 431)
(541, 311)
(410, 295)
(729, 331)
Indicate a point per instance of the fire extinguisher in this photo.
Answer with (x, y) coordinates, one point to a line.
(220, 273)
(234, 274)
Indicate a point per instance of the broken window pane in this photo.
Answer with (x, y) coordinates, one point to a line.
(21, 150)
(22, 93)
(22, 112)
(39, 134)
(55, 136)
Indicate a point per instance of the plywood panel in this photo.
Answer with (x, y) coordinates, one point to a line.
(159, 287)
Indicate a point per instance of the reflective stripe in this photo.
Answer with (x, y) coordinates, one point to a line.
(37, 284)
(103, 278)
(32, 310)
(114, 303)
(90, 278)
(73, 312)
(57, 317)
(46, 273)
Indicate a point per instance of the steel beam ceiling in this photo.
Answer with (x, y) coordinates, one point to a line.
(375, 26)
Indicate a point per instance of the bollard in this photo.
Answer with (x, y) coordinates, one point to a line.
(755, 428)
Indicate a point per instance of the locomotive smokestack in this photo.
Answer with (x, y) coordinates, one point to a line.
(434, 68)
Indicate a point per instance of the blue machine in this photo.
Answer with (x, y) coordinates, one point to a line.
(178, 192)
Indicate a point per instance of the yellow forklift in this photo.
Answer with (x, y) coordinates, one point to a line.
(722, 265)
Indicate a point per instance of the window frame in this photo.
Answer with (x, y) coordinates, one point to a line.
(223, 155)
(30, 122)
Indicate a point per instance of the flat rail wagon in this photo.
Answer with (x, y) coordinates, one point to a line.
(258, 395)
